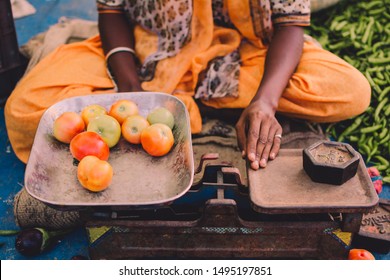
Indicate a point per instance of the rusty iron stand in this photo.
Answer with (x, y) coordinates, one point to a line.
(222, 226)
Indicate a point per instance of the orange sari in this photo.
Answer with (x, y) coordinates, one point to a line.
(324, 88)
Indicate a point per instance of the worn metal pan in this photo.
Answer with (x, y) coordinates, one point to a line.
(139, 179)
(283, 187)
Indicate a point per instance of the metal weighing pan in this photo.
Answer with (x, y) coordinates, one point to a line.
(139, 179)
(283, 187)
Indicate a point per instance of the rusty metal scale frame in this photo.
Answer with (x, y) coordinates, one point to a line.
(224, 226)
(218, 216)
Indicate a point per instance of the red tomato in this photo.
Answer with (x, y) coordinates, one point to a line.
(68, 125)
(373, 171)
(89, 143)
(94, 174)
(122, 109)
(360, 254)
(157, 139)
(378, 185)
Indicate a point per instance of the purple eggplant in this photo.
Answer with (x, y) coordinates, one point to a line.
(33, 241)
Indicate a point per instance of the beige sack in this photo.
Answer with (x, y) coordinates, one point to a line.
(318, 5)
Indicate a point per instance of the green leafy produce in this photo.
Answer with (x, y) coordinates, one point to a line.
(6, 232)
(359, 32)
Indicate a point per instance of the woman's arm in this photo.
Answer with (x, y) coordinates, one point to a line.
(257, 126)
(115, 31)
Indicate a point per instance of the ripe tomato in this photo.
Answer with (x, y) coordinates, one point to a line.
(89, 143)
(91, 111)
(132, 128)
(94, 174)
(161, 115)
(122, 109)
(67, 125)
(378, 185)
(360, 254)
(157, 139)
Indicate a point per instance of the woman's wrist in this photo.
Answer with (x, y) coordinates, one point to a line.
(129, 86)
(266, 101)
(122, 68)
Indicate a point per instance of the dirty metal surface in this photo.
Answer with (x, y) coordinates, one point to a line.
(284, 187)
(139, 179)
(331, 153)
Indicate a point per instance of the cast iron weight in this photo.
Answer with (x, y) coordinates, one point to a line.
(330, 162)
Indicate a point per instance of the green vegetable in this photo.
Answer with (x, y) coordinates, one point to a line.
(368, 30)
(359, 32)
(387, 111)
(371, 128)
(382, 160)
(379, 108)
(379, 60)
(385, 140)
(384, 132)
(353, 127)
(384, 93)
(8, 232)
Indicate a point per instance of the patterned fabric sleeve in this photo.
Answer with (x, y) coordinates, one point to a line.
(290, 12)
(110, 6)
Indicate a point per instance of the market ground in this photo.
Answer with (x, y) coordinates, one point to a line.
(47, 13)
(12, 170)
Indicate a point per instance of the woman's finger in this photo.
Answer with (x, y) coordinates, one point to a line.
(266, 152)
(263, 141)
(254, 123)
(276, 143)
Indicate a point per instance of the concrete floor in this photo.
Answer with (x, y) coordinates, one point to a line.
(11, 169)
(48, 12)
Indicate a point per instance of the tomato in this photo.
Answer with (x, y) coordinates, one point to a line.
(360, 254)
(122, 109)
(94, 174)
(378, 185)
(132, 128)
(91, 111)
(161, 115)
(89, 143)
(107, 127)
(157, 139)
(67, 126)
(373, 172)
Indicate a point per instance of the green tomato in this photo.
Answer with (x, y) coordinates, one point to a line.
(161, 115)
(107, 127)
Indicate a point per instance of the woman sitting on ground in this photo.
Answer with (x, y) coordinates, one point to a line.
(246, 54)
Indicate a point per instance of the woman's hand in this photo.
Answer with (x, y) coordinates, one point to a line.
(258, 134)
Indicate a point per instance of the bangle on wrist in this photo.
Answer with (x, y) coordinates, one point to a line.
(119, 49)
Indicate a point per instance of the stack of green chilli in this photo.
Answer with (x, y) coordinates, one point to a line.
(359, 32)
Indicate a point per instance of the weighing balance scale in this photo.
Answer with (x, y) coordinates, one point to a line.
(164, 208)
